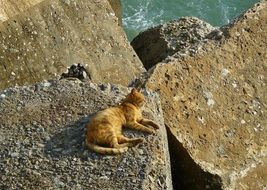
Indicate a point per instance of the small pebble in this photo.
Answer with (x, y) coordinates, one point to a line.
(14, 155)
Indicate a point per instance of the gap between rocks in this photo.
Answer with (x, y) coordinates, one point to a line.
(186, 174)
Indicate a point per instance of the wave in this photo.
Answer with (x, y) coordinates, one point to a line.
(139, 15)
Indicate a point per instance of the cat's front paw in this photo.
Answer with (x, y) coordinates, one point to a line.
(152, 131)
(155, 126)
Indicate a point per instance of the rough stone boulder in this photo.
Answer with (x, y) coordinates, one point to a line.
(157, 43)
(43, 40)
(215, 108)
(117, 8)
(9, 8)
(42, 133)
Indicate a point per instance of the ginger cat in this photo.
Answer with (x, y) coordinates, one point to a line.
(104, 132)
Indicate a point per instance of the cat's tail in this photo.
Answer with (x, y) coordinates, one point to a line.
(105, 150)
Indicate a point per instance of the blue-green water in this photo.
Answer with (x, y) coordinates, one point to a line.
(139, 15)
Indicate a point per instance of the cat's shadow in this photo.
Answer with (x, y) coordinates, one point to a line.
(69, 141)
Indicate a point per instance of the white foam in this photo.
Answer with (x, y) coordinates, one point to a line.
(140, 15)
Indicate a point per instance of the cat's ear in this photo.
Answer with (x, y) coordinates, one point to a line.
(138, 89)
(134, 90)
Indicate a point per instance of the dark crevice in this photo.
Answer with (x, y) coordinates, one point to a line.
(186, 174)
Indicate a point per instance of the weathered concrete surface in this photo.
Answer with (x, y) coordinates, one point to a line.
(157, 43)
(215, 103)
(255, 177)
(42, 41)
(9, 8)
(117, 8)
(42, 133)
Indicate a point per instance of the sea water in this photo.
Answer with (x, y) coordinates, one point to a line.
(139, 15)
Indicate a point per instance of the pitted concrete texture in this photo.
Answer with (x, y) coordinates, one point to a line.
(42, 41)
(42, 141)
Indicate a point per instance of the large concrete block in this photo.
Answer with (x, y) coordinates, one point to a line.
(42, 135)
(40, 42)
(215, 107)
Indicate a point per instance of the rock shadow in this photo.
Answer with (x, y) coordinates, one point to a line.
(186, 174)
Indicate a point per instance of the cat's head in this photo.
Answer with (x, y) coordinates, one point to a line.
(135, 97)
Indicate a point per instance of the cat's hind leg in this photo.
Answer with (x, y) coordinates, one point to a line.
(105, 150)
(114, 143)
(148, 122)
(133, 141)
(140, 127)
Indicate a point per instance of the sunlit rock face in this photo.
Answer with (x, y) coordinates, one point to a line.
(174, 38)
(215, 106)
(41, 41)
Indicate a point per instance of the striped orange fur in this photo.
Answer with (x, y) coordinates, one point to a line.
(104, 131)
